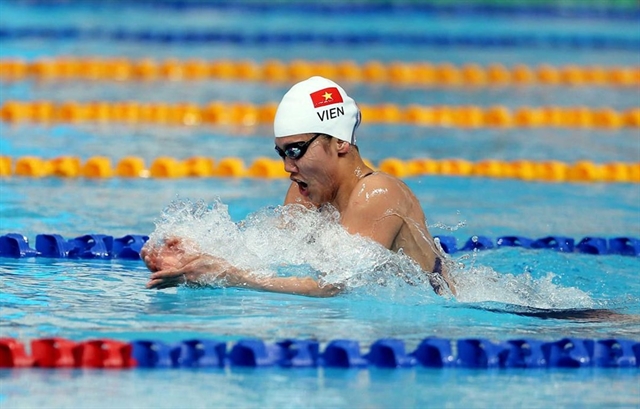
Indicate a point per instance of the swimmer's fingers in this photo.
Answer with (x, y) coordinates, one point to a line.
(154, 259)
(166, 279)
(181, 244)
(146, 251)
(155, 251)
(150, 262)
(168, 273)
(173, 241)
(164, 258)
(190, 273)
(159, 284)
(152, 255)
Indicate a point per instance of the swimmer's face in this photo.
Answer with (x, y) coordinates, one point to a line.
(309, 162)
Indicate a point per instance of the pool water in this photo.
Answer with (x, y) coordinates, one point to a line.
(378, 388)
(81, 299)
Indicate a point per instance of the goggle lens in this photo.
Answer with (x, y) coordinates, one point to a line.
(295, 150)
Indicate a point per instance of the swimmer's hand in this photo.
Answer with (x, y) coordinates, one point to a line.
(206, 270)
(200, 270)
(175, 252)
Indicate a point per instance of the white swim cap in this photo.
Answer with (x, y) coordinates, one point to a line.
(317, 105)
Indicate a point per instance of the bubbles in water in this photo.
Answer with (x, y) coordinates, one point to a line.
(438, 225)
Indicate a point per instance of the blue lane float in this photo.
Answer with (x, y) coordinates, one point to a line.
(574, 41)
(462, 9)
(102, 246)
(471, 353)
(88, 246)
(16, 245)
(558, 243)
(625, 246)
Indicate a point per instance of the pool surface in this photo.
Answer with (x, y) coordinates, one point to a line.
(505, 293)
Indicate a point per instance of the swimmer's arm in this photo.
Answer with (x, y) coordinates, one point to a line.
(292, 285)
(373, 217)
(207, 270)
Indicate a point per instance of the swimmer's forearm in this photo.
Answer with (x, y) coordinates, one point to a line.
(286, 285)
(207, 270)
(300, 286)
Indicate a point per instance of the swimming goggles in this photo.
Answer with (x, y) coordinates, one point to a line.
(295, 150)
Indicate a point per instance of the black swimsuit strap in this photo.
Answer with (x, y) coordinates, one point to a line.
(437, 266)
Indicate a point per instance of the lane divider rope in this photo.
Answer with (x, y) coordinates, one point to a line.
(263, 167)
(598, 42)
(442, 75)
(476, 353)
(103, 246)
(249, 114)
(604, 9)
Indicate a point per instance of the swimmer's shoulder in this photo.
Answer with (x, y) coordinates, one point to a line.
(381, 190)
(378, 181)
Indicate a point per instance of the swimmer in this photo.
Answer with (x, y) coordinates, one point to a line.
(315, 135)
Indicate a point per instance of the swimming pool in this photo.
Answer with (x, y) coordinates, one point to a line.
(80, 299)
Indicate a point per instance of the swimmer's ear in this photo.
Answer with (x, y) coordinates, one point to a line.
(343, 146)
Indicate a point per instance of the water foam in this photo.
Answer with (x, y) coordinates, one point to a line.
(478, 284)
(294, 241)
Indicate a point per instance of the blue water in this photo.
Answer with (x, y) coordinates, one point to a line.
(310, 389)
(87, 299)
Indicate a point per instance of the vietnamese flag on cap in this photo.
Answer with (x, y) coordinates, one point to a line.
(326, 97)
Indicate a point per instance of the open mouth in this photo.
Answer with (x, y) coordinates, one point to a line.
(302, 186)
(299, 182)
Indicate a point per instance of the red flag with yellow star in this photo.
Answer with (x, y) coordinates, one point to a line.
(327, 96)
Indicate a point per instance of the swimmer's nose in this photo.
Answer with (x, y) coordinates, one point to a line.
(290, 165)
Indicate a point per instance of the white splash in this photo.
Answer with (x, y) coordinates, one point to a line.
(481, 284)
(293, 240)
